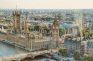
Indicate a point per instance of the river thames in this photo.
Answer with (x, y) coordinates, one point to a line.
(7, 50)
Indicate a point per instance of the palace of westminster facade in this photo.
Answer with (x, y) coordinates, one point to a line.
(33, 40)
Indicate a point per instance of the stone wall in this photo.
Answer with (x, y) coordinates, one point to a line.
(13, 39)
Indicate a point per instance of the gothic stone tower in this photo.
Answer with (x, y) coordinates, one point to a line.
(16, 18)
(55, 32)
(26, 24)
(29, 41)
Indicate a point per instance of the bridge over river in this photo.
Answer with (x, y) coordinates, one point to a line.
(18, 50)
(9, 52)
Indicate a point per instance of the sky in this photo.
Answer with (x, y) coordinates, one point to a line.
(46, 4)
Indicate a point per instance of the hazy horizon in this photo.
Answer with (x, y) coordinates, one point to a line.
(46, 4)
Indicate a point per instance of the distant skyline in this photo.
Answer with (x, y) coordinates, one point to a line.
(46, 4)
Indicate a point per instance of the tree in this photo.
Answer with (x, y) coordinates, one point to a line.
(36, 28)
(87, 57)
(76, 55)
(87, 33)
(61, 32)
(63, 52)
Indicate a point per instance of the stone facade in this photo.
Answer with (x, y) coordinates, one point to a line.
(16, 18)
(55, 32)
(34, 40)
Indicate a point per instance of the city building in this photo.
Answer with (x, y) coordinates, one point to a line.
(17, 22)
(72, 45)
(32, 40)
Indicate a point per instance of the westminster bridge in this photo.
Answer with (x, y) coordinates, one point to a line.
(19, 57)
(21, 43)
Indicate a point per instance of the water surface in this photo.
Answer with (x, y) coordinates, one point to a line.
(6, 50)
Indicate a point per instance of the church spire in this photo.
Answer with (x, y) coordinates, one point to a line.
(16, 18)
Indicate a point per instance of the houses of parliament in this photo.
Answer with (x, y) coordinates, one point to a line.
(19, 35)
